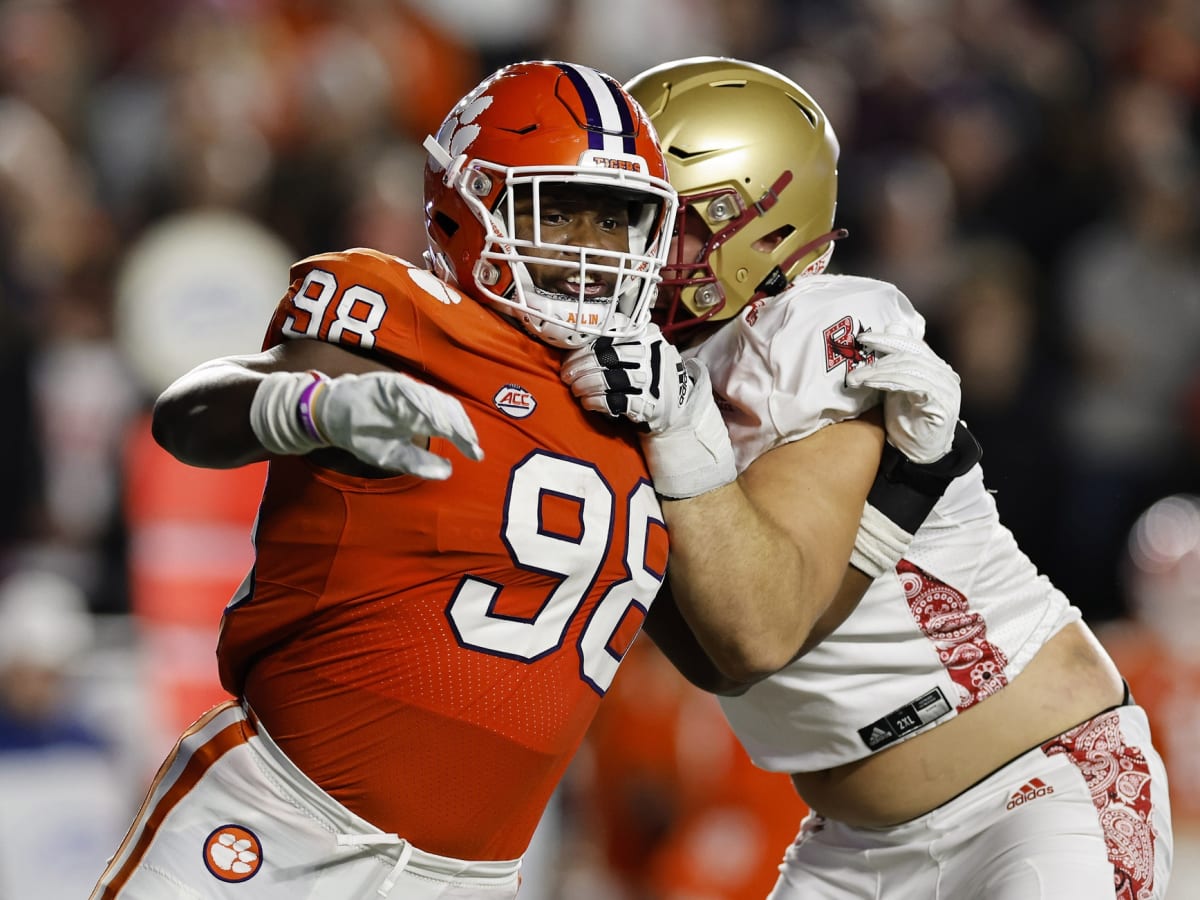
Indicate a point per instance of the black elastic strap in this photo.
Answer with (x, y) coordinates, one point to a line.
(906, 492)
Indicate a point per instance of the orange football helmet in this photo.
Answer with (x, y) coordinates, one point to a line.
(525, 130)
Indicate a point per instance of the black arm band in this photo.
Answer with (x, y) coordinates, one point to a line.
(906, 492)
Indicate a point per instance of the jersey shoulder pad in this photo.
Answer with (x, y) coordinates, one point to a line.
(828, 311)
(868, 300)
(810, 343)
(364, 299)
(400, 280)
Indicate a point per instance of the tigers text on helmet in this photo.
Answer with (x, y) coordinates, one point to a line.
(754, 160)
(529, 132)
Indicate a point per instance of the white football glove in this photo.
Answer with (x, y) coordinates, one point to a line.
(644, 379)
(922, 393)
(373, 416)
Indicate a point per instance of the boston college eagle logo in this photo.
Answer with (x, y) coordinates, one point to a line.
(841, 347)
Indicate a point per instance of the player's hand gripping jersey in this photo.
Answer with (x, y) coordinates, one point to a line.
(381, 636)
(965, 610)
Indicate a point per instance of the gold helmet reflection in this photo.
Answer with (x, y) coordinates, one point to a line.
(755, 163)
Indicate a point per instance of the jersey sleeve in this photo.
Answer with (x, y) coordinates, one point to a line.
(781, 373)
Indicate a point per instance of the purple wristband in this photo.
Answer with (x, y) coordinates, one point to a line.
(304, 408)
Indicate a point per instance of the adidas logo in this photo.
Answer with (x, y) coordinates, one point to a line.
(877, 736)
(1030, 790)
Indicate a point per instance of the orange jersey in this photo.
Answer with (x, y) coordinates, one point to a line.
(432, 652)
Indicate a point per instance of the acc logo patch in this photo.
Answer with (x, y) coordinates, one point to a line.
(233, 853)
(514, 401)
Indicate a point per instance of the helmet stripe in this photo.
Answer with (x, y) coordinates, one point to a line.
(621, 101)
(609, 119)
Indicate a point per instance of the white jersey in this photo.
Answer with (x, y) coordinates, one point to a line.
(960, 617)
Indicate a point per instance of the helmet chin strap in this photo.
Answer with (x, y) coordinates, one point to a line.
(545, 329)
(554, 334)
(558, 334)
(558, 296)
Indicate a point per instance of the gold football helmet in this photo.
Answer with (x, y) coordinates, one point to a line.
(755, 163)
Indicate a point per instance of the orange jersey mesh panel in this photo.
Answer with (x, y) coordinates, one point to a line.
(431, 653)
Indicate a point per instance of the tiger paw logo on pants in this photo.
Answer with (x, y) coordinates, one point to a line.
(233, 853)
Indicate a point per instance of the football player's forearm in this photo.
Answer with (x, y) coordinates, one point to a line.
(854, 586)
(666, 627)
(203, 418)
(758, 565)
(740, 582)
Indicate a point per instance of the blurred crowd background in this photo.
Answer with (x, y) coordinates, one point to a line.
(1028, 173)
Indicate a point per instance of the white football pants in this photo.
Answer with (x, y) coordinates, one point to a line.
(229, 816)
(1085, 816)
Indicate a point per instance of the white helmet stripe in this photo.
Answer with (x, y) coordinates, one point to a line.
(608, 113)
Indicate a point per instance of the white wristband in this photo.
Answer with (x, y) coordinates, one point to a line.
(692, 460)
(281, 414)
(879, 544)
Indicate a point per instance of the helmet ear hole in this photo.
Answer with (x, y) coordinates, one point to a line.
(768, 242)
(445, 223)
